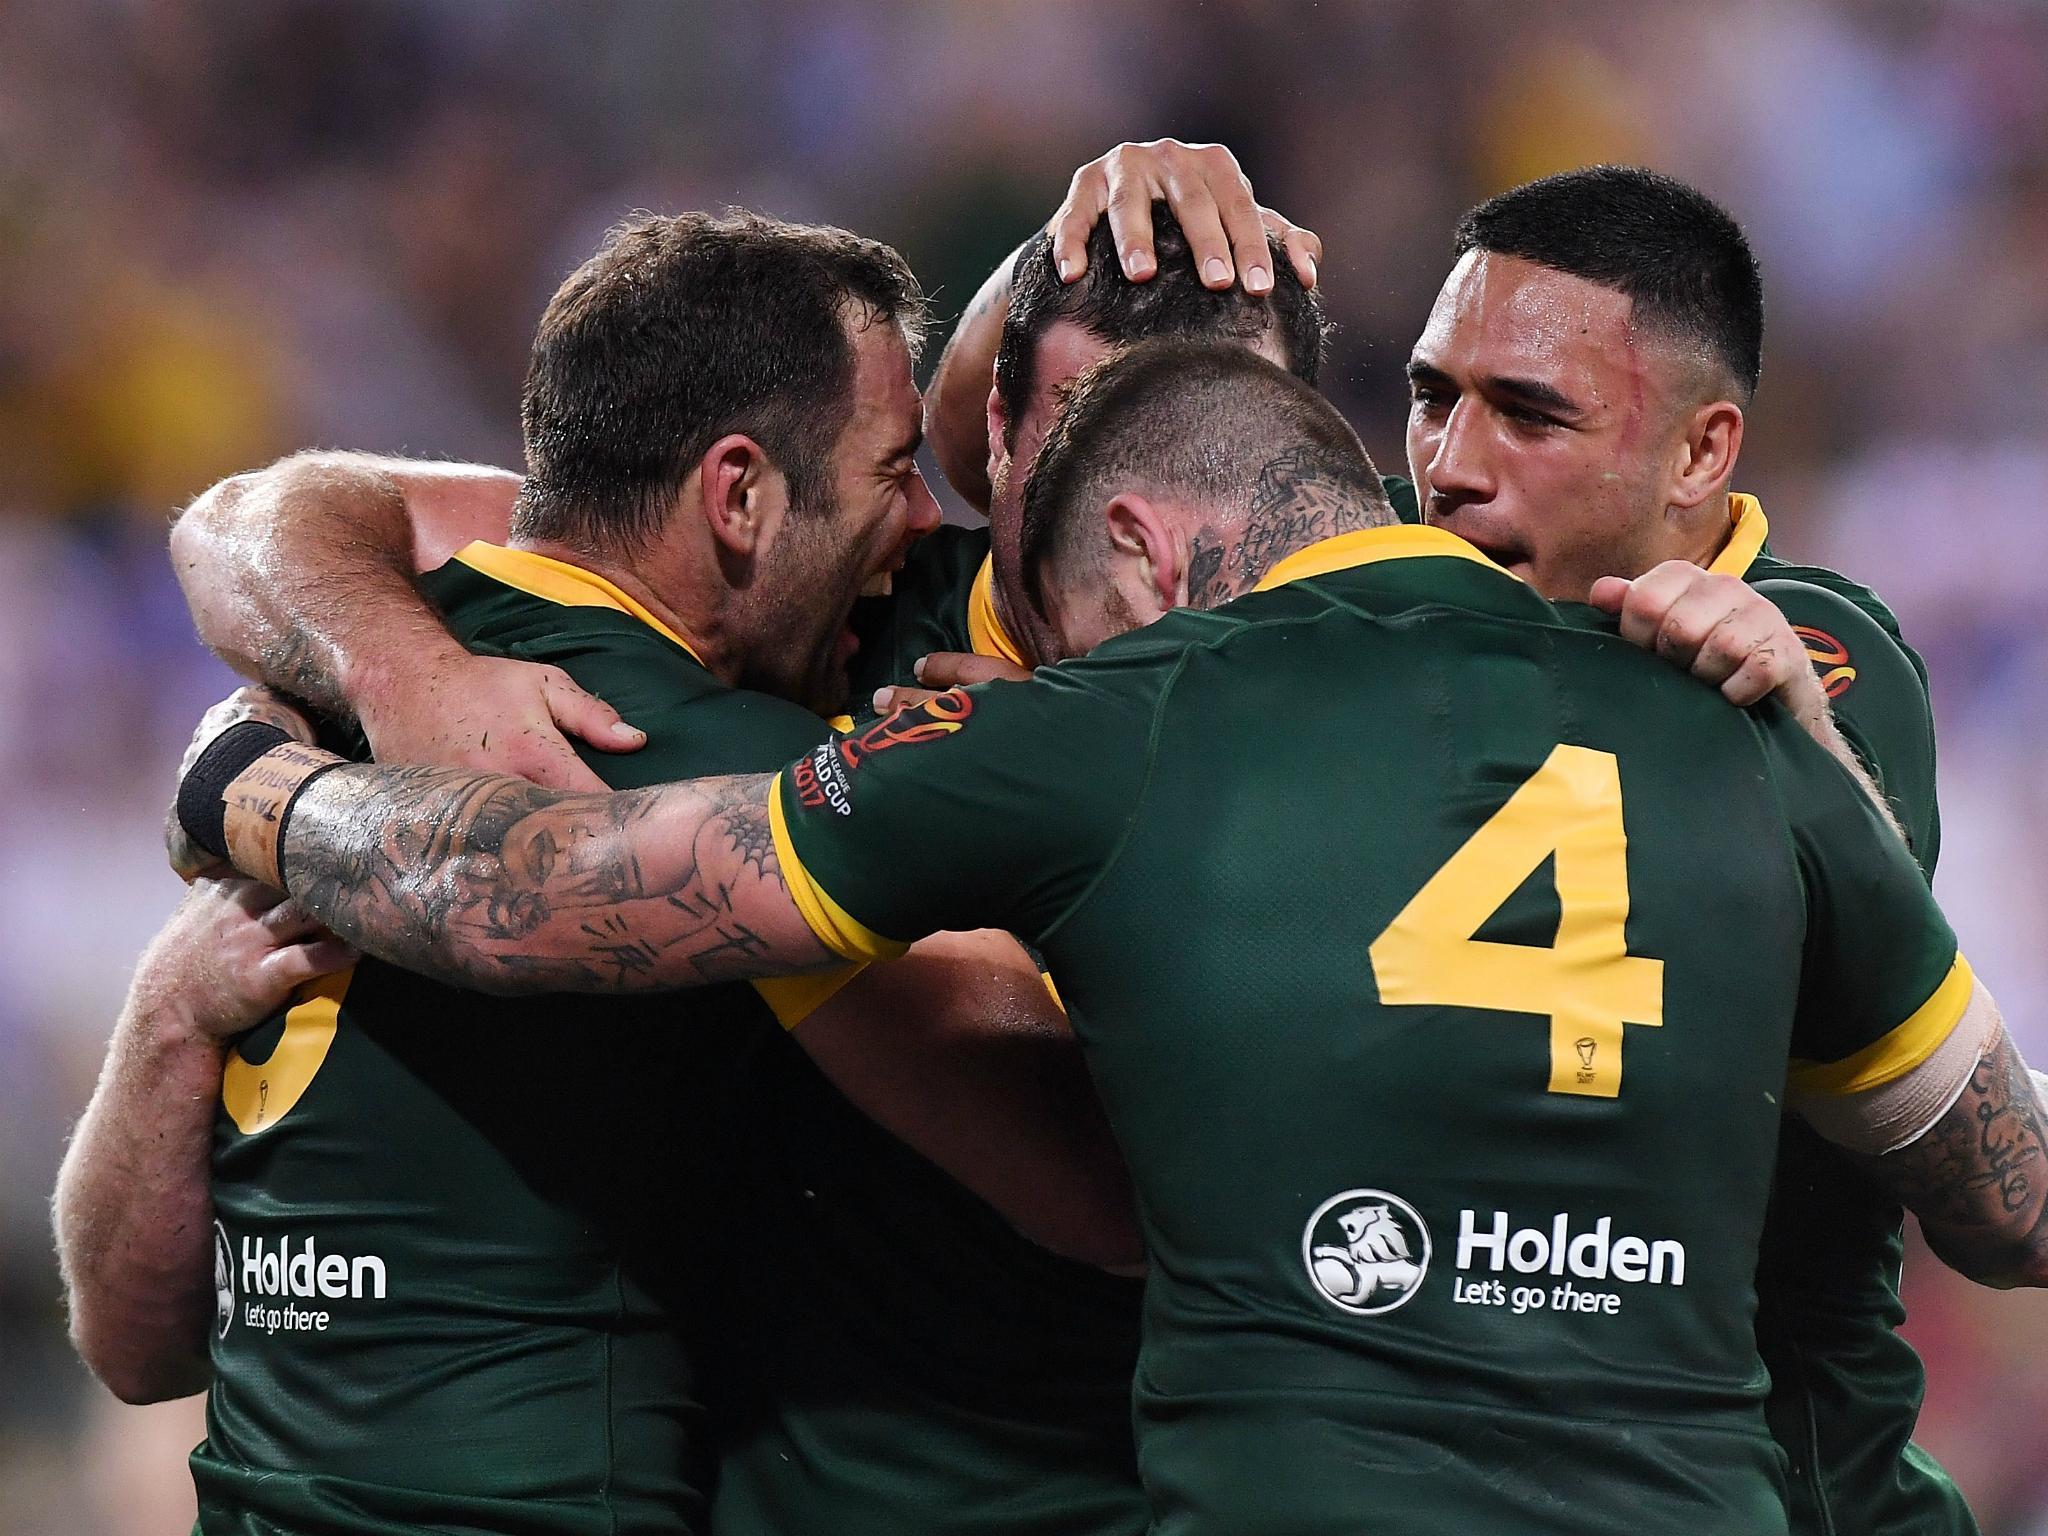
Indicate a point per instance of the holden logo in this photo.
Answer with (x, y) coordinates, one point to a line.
(1366, 1251)
(223, 1281)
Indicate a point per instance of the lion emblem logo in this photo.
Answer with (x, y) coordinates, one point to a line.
(223, 1281)
(1366, 1251)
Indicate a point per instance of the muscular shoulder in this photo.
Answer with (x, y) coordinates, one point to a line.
(1876, 686)
(695, 724)
(1769, 568)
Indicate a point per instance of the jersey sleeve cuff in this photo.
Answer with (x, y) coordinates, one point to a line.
(835, 928)
(792, 999)
(1899, 1051)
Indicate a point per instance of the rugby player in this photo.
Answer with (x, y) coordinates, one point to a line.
(1578, 408)
(1846, 1388)
(943, 1374)
(471, 1276)
(1577, 412)
(1024, 338)
(1418, 1258)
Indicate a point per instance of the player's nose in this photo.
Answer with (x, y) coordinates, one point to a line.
(1459, 467)
(924, 507)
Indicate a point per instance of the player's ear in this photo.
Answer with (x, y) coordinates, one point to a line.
(1146, 561)
(740, 493)
(998, 431)
(1705, 455)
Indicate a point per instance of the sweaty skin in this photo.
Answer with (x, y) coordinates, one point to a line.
(1544, 426)
(133, 1211)
(493, 884)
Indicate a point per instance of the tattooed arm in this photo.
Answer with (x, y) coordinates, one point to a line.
(498, 885)
(1977, 1175)
(301, 576)
(1978, 1180)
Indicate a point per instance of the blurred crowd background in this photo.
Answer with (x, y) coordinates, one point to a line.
(231, 229)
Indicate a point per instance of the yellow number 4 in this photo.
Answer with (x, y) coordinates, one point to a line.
(1587, 982)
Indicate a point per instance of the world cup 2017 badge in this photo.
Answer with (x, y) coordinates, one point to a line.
(1366, 1251)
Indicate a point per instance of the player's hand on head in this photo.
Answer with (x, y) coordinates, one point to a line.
(495, 715)
(1720, 629)
(250, 702)
(232, 954)
(1210, 195)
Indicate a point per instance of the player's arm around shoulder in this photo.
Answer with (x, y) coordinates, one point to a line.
(984, 808)
(300, 576)
(1899, 1054)
(132, 1209)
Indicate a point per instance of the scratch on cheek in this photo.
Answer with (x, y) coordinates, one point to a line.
(1631, 427)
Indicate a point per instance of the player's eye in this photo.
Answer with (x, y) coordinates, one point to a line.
(1426, 396)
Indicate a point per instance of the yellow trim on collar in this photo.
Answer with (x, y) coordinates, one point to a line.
(1747, 530)
(557, 581)
(1367, 546)
(1899, 1051)
(985, 632)
(836, 928)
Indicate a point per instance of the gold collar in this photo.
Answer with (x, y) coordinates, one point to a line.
(1366, 546)
(985, 632)
(557, 581)
(1747, 530)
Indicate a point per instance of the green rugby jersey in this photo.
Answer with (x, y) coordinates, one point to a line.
(459, 1252)
(911, 1365)
(1845, 1387)
(1451, 1108)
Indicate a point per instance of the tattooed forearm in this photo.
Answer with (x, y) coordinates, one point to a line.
(1301, 498)
(1978, 1179)
(498, 885)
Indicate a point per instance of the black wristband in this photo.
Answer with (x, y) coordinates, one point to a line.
(202, 811)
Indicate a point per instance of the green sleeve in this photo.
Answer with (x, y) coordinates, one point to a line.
(1879, 698)
(1881, 984)
(989, 807)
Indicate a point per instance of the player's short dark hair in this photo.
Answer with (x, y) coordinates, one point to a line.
(679, 331)
(1172, 304)
(1673, 250)
(1206, 420)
